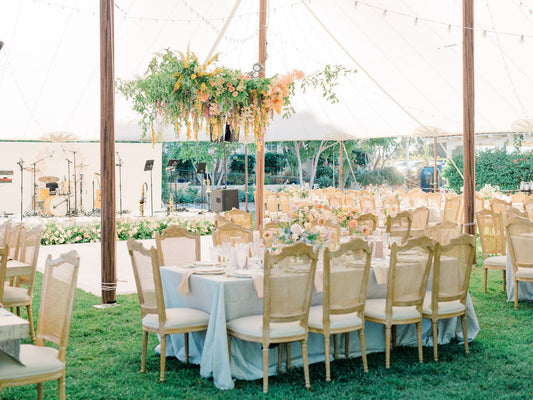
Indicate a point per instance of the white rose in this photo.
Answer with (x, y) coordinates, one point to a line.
(296, 229)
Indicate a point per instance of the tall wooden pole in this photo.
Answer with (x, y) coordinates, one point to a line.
(435, 176)
(341, 164)
(468, 115)
(260, 157)
(246, 175)
(107, 152)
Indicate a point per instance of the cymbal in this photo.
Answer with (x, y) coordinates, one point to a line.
(49, 179)
(32, 168)
(82, 165)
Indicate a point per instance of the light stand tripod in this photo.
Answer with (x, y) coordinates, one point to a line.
(149, 166)
(21, 165)
(69, 211)
(119, 165)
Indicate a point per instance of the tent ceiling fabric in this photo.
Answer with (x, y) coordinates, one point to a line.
(49, 66)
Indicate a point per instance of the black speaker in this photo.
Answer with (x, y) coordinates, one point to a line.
(224, 199)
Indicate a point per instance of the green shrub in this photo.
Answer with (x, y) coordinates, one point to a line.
(187, 195)
(384, 176)
(496, 167)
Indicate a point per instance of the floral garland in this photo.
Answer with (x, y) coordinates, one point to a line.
(179, 90)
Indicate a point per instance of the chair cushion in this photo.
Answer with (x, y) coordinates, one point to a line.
(252, 326)
(444, 307)
(375, 308)
(496, 261)
(525, 273)
(177, 318)
(38, 360)
(14, 294)
(337, 321)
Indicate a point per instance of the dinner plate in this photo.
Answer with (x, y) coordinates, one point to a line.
(240, 274)
(208, 270)
(201, 264)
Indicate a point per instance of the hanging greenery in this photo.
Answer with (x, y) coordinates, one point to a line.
(178, 90)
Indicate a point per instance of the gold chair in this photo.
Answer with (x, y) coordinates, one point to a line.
(492, 238)
(333, 228)
(178, 246)
(513, 212)
(367, 204)
(225, 232)
(443, 232)
(519, 232)
(346, 274)
(449, 288)
(390, 202)
(499, 205)
(335, 201)
(434, 200)
(370, 220)
(420, 218)
(12, 237)
(518, 198)
(156, 318)
(406, 287)
(240, 217)
(479, 202)
(17, 296)
(399, 225)
(528, 206)
(452, 208)
(3, 228)
(274, 229)
(288, 286)
(41, 363)
(272, 206)
(284, 203)
(220, 220)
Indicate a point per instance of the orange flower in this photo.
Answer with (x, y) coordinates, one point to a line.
(235, 94)
(353, 223)
(203, 97)
(231, 88)
(213, 83)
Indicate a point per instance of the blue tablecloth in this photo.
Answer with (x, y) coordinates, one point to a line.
(227, 298)
(525, 289)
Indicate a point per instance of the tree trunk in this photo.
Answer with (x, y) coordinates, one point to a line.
(316, 159)
(297, 146)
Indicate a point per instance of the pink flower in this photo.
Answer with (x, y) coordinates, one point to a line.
(235, 94)
(267, 235)
(321, 221)
(353, 223)
(365, 230)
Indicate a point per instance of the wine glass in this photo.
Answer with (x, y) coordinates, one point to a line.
(242, 255)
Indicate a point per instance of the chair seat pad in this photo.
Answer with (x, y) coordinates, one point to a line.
(13, 294)
(496, 261)
(444, 307)
(526, 273)
(252, 326)
(375, 308)
(336, 321)
(177, 318)
(38, 360)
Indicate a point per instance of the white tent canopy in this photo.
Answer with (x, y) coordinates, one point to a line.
(408, 55)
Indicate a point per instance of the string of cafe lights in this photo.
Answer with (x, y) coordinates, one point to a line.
(416, 19)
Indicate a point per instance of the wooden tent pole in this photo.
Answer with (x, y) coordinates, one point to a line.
(435, 181)
(341, 164)
(260, 155)
(468, 115)
(107, 153)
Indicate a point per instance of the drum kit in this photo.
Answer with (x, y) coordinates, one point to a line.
(52, 197)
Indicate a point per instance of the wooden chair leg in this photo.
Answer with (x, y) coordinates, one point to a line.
(61, 388)
(306, 364)
(465, 333)
(515, 294)
(484, 280)
(387, 346)
(40, 391)
(435, 340)
(229, 347)
(288, 351)
(419, 341)
(327, 357)
(144, 347)
(347, 344)
(335, 347)
(162, 358)
(504, 281)
(265, 368)
(280, 357)
(30, 320)
(363, 348)
(186, 342)
(19, 312)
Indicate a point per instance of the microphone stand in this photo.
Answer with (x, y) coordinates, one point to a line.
(75, 211)
(34, 167)
(21, 165)
(69, 212)
(119, 165)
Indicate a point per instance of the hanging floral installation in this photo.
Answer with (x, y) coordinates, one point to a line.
(179, 90)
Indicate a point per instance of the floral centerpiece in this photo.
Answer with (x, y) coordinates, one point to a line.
(179, 90)
(488, 191)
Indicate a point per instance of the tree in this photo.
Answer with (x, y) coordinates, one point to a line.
(378, 151)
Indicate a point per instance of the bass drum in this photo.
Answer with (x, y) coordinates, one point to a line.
(57, 206)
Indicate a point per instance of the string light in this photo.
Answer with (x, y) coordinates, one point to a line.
(522, 40)
(484, 34)
(449, 28)
(416, 21)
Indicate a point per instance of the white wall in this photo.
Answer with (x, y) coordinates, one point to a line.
(133, 156)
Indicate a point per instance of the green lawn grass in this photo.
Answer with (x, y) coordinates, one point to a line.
(104, 357)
